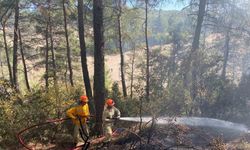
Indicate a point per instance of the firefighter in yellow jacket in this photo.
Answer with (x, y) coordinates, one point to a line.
(77, 113)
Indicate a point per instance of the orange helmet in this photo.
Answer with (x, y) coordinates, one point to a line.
(110, 102)
(84, 98)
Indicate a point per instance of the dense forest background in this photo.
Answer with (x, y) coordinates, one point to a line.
(189, 62)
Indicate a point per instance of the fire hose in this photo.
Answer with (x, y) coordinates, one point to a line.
(82, 133)
(86, 143)
(21, 141)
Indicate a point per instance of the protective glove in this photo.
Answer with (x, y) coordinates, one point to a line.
(74, 118)
(87, 119)
(116, 118)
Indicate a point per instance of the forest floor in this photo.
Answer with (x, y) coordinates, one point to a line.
(167, 137)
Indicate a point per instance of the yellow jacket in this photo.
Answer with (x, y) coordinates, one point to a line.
(81, 111)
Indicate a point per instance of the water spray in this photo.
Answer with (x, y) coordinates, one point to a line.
(191, 121)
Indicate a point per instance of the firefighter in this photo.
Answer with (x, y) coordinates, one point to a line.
(110, 115)
(79, 115)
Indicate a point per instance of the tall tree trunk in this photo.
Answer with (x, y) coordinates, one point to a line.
(226, 54)
(67, 43)
(7, 54)
(84, 64)
(15, 45)
(47, 56)
(201, 13)
(147, 51)
(1, 64)
(58, 102)
(52, 45)
(99, 80)
(195, 47)
(23, 60)
(224, 67)
(124, 89)
(132, 74)
(176, 48)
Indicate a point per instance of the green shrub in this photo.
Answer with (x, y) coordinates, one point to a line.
(19, 111)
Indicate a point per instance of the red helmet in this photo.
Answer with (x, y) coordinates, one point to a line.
(110, 102)
(84, 98)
